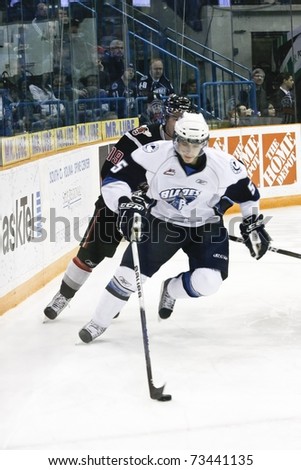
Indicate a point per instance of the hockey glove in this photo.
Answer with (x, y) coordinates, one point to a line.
(255, 236)
(126, 210)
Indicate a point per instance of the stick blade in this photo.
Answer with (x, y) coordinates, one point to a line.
(157, 393)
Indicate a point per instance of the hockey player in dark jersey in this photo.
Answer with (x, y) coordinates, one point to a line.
(186, 179)
(102, 238)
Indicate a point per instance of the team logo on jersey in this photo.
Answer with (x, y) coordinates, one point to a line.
(150, 148)
(235, 166)
(142, 130)
(179, 197)
(170, 172)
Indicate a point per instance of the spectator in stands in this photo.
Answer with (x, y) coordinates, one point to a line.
(61, 86)
(284, 99)
(41, 16)
(45, 29)
(90, 103)
(244, 115)
(18, 108)
(90, 86)
(271, 110)
(125, 88)
(233, 117)
(30, 109)
(154, 113)
(155, 81)
(52, 111)
(63, 17)
(189, 88)
(14, 122)
(41, 13)
(271, 118)
(20, 112)
(113, 60)
(258, 77)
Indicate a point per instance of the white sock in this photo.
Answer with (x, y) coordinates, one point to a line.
(123, 284)
(106, 309)
(75, 276)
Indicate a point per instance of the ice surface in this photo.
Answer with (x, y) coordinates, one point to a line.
(232, 362)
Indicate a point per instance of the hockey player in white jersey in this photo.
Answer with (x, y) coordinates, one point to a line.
(186, 179)
(102, 238)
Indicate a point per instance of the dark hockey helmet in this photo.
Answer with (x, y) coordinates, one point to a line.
(155, 108)
(176, 105)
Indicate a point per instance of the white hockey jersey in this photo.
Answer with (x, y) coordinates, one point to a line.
(184, 195)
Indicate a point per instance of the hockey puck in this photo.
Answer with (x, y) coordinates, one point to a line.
(165, 398)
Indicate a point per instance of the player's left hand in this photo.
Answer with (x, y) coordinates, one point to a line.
(255, 236)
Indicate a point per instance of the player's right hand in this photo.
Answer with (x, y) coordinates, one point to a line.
(127, 208)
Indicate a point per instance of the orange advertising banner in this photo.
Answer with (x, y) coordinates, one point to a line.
(246, 149)
(279, 159)
(270, 158)
(217, 143)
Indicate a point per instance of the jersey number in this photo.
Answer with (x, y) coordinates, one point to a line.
(252, 188)
(119, 166)
(115, 156)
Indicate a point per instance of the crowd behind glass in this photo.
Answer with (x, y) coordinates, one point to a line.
(60, 65)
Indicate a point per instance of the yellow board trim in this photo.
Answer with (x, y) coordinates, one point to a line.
(272, 203)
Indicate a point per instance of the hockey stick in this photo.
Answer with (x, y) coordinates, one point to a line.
(155, 393)
(271, 248)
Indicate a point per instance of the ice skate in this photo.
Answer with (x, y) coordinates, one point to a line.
(91, 331)
(56, 306)
(167, 303)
